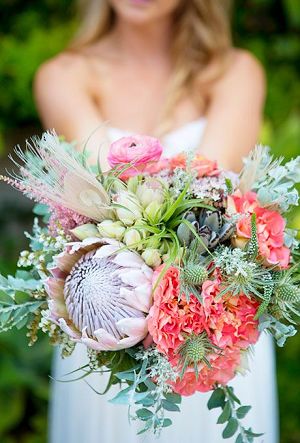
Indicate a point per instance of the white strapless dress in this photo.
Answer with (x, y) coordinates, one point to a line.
(79, 415)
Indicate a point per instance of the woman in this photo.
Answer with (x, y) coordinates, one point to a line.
(165, 68)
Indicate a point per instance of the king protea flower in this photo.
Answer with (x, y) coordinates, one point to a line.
(100, 294)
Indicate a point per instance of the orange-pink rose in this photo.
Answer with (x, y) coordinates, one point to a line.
(270, 228)
(202, 165)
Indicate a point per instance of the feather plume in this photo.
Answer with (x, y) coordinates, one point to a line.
(256, 167)
(53, 173)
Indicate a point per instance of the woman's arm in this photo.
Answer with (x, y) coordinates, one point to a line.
(235, 112)
(65, 104)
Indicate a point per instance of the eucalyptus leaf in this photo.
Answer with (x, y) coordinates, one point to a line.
(173, 397)
(242, 411)
(169, 406)
(217, 399)
(226, 413)
(144, 414)
(230, 428)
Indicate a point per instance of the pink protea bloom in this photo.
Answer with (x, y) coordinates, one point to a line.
(270, 228)
(137, 150)
(99, 295)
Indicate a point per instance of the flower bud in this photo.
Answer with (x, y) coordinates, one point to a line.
(131, 238)
(130, 210)
(153, 212)
(152, 257)
(149, 191)
(111, 229)
(85, 231)
(153, 242)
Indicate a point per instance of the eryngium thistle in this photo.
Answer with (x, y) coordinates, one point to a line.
(194, 350)
(100, 295)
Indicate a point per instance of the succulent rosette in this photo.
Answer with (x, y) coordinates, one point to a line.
(99, 294)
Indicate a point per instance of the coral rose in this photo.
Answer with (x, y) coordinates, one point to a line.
(202, 165)
(270, 229)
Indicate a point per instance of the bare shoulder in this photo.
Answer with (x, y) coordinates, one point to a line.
(243, 68)
(243, 62)
(62, 70)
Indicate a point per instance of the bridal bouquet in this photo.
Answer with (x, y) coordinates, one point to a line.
(167, 270)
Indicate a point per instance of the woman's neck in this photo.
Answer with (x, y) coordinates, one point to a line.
(143, 43)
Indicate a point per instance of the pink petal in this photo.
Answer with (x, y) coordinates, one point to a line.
(66, 328)
(65, 261)
(128, 259)
(136, 327)
(55, 288)
(139, 298)
(106, 340)
(132, 277)
(106, 251)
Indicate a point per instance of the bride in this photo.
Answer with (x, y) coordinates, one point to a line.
(165, 68)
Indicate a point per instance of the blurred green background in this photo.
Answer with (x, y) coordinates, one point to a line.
(32, 31)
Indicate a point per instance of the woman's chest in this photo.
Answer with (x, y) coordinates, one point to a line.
(137, 98)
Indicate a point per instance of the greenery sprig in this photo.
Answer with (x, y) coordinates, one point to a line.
(232, 414)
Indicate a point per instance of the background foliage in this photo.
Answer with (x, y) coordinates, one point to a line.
(32, 31)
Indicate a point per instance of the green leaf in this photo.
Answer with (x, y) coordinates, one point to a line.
(122, 397)
(250, 433)
(239, 439)
(217, 399)
(173, 397)
(242, 411)
(127, 375)
(232, 395)
(230, 428)
(144, 414)
(40, 209)
(148, 401)
(167, 422)
(226, 413)
(169, 406)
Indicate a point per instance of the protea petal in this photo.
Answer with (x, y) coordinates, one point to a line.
(132, 277)
(67, 329)
(133, 327)
(129, 259)
(103, 298)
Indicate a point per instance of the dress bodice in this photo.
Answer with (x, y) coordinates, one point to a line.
(185, 138)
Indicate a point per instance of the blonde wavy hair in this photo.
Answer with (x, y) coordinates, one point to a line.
(200, 46)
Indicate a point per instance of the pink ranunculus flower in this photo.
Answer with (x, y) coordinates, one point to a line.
(137, 150)
(270, 228)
